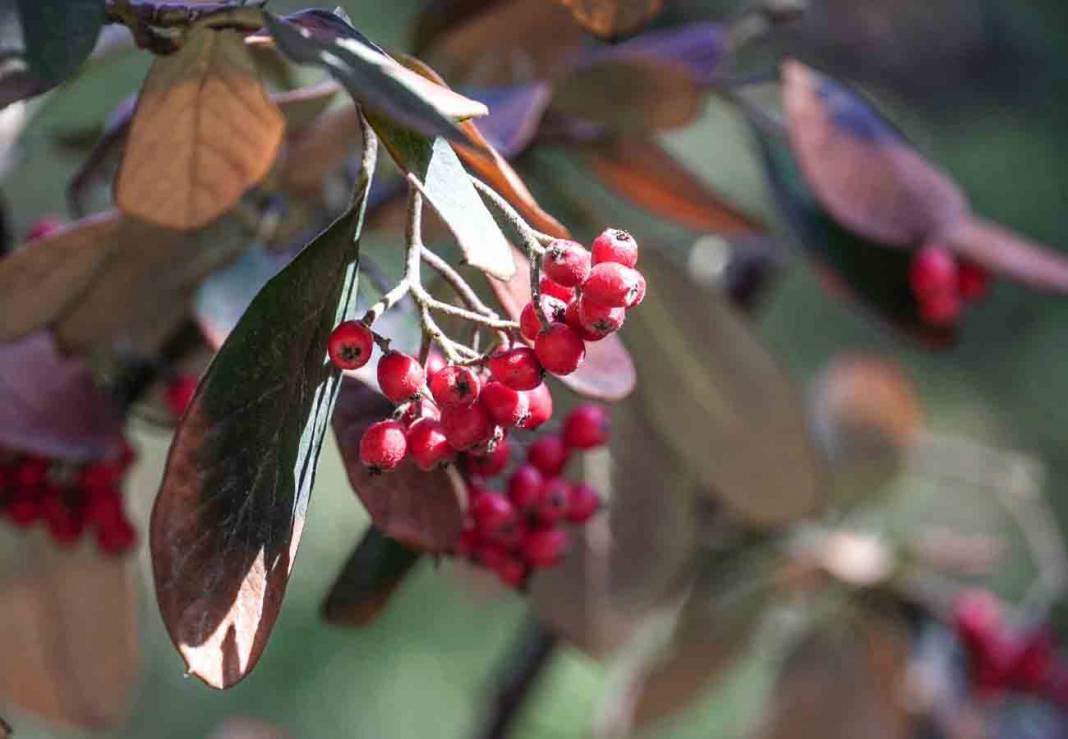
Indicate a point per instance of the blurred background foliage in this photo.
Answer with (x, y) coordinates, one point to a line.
(980, 85)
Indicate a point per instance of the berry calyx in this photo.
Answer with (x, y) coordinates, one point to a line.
(350, 345)
(466, 426)
(544, 547)
(560, 349)
(583, 502)
(400, 376)
(549, 454)
(383, 445)
(555, 289)
(507, 407)
(586, 427)
(427, 444)
(566, 262)
(599, 319)
(639, 292)
(615, 245)
(540, 407)
(518, 368)
(455, 385)
(612, 284)
(529, 323)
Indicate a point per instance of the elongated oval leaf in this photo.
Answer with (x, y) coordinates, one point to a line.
(613, 18)
(515, 115)
(1009, 254)
(365, 584)
(422, 510)
(699, 48)
(230, 511)
(205, 131)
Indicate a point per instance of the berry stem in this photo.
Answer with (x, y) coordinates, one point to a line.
(390, 299)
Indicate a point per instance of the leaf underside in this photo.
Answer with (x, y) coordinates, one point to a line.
(365, 584)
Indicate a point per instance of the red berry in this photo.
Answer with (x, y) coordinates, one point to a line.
(554, 500)
(560, 349)
(400, 376)
(524, 487)
(573, 318)
(179, 393)
(612, 284)
(383, 445)
(933, 270)
(350, 345)
(600, 320)
(549, 454)
(31, 472)
(116, 538)
(64, 524)
(492, 513)
(1032, 662)
(518, 368)
(976, 617)
(24, 507)
(639, 293)
(427, 443)
(615, 245)
(586, 427)
(544, 547)
(555, 289)
(540, 404)
(466, 426)
(44, 227)
(972, 280)
(103, 506)
(490, 463)
(507, 407)
(455, 386)
(100, 476)
(435, 362)
(940, 309)
(491, 555)
(582, 503)
(511, 571)
(529, 325)
(566, 263)
(468, 540)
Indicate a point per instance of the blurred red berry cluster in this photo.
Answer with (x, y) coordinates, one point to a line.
(69, 499)
(943, 284)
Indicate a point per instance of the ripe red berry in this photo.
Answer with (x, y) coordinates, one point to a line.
(524, 487)
(549, 454)
(466, 426)
(103, 506)
(492, 513)
(24, 507)
(555, 289)
(586, 427)
(99, 476)
(529, 324)
(573, 318)
(350, 345)
(940, 309)
(566, 263)
(583, 502)
(540, 404)
(179, 393)
(615, 245)
(117, 537)
(400, 376)
(490, 554)
(427, 443)
(383, 445)
(468, 540)
(490, 463)
(518, 368)
(972, 280)
(455, 385)
(64, 524)
(976, 617)
(31, 472)
(507, 407)
(639, 293)
(1032, 661)
(599, 319)
(512, 571)
(933, 270)
(435, 362)
(612, 284)
(560, 349)
(544, 547)
(554, 500)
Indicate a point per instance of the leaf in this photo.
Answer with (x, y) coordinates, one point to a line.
(205, 131)
(421, 510)
(607, 373)
(732, 412)
(1009, 254)
(698, 48)
(613, 18)
(515, 115)
(448, 189)
(367, 581)
(51, 405)
(302, 105)
(630, 95)
(69, 634)
(378, 83)
(230, 511)
(319, 149)
(42, 42)
(644, 173)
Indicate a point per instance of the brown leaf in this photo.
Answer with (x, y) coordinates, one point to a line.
(365, 584)
(69, 634)
(643, 172)
(205, 131)
(1006, 253)
(613, 18)
(422, 510)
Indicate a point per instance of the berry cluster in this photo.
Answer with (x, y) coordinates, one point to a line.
(517, 530)
(942, 284)
(68, 498)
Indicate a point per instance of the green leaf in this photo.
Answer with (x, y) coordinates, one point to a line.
(366, 582)
(231, 508)
(42, 42)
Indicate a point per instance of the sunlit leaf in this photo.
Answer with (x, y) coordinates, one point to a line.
(205, 131)
(367, 581)
(230, 511)
(50, 404)
(613, 18)
(422, 510)
(1009, 254)
(69, 634)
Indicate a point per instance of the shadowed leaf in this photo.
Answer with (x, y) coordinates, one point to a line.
(698, 48)
(322, 147)
(515, 115)
(68, 633)
(644, 173)
(205, 131)
(303, 105)
(50, 404)
(1008, 254)
(367, 581)
(613, 18)
(230, 511)
(421, 510)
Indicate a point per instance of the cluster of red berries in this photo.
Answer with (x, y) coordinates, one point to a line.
(68, 498)
(520, 529)
(943, 284)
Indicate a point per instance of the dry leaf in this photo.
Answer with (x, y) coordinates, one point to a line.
(205, 131)
(613, 18)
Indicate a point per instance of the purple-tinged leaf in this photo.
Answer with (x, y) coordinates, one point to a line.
(515, 113)
(611, 19)
(51, 405)
(365, 584)
(699, 48)
(1008, 254)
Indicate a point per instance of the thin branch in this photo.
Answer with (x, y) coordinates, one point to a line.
(457, 282)
(517, 675)
(390, 299)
